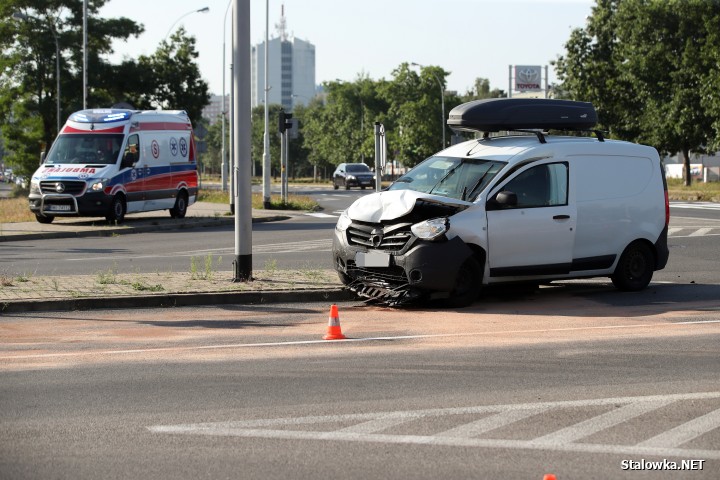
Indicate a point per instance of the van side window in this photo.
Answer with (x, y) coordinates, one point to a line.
(132, 151)
(541, 186)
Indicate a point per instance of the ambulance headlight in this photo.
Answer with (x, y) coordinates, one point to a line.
(35, 187)
(99, 185)
(431, 229)
(343, 222)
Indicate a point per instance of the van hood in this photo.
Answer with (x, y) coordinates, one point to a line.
(393, 204)
(71, 171)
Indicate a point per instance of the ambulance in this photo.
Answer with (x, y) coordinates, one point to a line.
(110, 162)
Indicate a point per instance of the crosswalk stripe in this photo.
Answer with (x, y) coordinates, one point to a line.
(602, 422)
(684, 433)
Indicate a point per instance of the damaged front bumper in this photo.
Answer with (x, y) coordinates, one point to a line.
(396, 274)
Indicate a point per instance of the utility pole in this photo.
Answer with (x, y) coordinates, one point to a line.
(241, 152)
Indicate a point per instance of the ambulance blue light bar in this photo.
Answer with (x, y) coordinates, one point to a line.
(101, 116)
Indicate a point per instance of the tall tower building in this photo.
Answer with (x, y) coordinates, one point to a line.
(291, 69)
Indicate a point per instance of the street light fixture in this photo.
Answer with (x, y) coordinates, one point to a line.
(201, 10)
(24, 17)
(442, 101)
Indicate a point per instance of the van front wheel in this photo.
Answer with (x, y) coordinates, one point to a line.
(117, 210)
(634, 269)
(180, 208)
(467, 284)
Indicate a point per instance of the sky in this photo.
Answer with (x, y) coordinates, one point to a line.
(352, 38)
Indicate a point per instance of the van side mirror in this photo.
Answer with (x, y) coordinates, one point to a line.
(504, 199)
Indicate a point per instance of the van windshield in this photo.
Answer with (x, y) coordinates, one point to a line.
(94, 148)
(461, 178)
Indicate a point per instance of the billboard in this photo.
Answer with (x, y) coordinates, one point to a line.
(528, 78)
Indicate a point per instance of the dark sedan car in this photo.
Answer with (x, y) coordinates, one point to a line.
(353, 175)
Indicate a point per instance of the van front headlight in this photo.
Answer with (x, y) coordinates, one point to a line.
(431, 229)
(34, 187)
(343, 222)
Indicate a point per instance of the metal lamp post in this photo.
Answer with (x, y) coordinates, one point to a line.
(442, 100)
(201, 10)
(23, 16)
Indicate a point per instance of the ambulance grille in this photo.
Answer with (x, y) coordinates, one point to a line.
(60, 186)
(376, 236)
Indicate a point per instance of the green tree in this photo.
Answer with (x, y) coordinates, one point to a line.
(342, 129)
(28, 93)
(645, 65)
(170, 78)
(415, 111)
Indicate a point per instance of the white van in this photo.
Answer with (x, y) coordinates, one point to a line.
(516, 208)
(109, 162)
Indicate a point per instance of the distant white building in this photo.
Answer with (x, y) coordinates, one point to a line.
(213, 112)
(291, 70)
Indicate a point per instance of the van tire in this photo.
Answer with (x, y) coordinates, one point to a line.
(117, 210)
(44, 218)
(181, 205)
(467, 284)
(634, 269)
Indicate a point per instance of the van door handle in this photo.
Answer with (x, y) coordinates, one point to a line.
(561, 217)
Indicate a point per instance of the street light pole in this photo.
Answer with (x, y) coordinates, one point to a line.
(223, 153)
(267, 165)
(201, 10)
(23, 16)
(442, 101)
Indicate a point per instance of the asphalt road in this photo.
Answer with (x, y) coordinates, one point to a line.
(577, 380)
(302, 242)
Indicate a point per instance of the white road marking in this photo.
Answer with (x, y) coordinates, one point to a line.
(700, 232)
(320, 215)
(368, 423)
(696, 205)
(685, 432)
(602, 422)
(493, 422)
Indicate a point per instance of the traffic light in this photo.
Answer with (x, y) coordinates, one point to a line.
(284, 122)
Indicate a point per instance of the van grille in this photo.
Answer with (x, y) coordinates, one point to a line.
(68, 187)
(377, 236)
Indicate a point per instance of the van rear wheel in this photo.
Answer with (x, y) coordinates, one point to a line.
(117, 210)
(181, 205)
(634, 269)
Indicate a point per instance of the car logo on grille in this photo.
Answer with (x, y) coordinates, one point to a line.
(376, 237)
(59, 187)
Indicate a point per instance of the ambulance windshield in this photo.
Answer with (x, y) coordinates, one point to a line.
(91, 148)
(461, 178)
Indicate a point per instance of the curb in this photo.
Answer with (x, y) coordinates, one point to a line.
(178, 300)
(128, 229)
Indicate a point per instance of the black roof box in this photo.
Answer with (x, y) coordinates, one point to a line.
(499, 114)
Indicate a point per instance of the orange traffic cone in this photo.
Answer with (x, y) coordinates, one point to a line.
(549, 476)
(333, 330)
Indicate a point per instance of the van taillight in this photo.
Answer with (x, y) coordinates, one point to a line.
(667, 209)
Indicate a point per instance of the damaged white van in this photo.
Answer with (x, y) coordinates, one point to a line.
(526, 208)
(109, 162)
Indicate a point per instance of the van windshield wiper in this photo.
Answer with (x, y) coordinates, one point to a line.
(475, 186)
(445, 177)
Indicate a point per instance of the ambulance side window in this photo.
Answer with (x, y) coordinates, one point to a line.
(131, 154)
(541, 186)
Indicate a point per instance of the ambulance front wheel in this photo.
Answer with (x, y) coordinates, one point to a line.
(44, 218)
(180, 208)
(117, 210)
